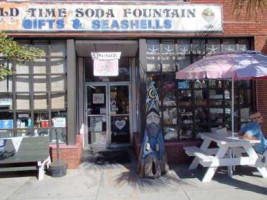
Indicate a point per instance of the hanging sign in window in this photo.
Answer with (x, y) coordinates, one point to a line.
(106, 63)
(98, 98)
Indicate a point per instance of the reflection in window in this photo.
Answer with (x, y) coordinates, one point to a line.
(190, 107)
(22, 83)
(170, 133)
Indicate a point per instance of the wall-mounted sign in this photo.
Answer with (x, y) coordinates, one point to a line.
(98, 98)
(106, 63)
(54, 17)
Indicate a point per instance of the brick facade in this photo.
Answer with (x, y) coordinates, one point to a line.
(71, 154)
(254, 25)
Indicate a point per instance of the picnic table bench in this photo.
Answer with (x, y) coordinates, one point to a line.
(231, 151)
(32, 154)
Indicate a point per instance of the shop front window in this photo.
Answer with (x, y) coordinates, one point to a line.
(33, 99)
(190, 107)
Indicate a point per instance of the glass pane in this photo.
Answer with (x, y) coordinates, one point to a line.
(40, 132)
(229, 45)
(200, 97)
(182, 62)
(124, 71)
(153, 47)
(183, 85)
(97, 128)
(40, 101)
(186, 132)
(168, 47)
(59, 119)
(5, 133)
(58, 101)
(168, 64)
(6, 101)
(244, 96)
(119, 99)
(243, 45)
(61, 135)
(96, 100)
(201, 116)
(170, 116)
(58, 65)
(22, 83)
(198, 47)
(213, 46)
(153, 63)
(39, 84)
(40, 66)
(169, 98)
(120, 129)
(186, 116)
(6, 121)
(22, 68)
(184, 47)
(41, 45)
(58, 83)
(6, 84)
(244, 114)
(196, 58)
(243, 84)
(199, 84)
(58, 48)
(216, 116)
(24, 120)
(170, 133)
(23, 101)
(184, 97)
(23, 132)
(41, 120)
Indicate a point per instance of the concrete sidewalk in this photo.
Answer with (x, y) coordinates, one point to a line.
(120, 182)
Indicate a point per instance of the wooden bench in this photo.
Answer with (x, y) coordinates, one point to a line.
(33, 154)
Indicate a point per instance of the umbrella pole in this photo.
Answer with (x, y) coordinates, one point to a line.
(230, 168)
(232, 107)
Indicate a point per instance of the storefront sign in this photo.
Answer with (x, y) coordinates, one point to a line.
(106, 63)
(54, 17)
(98, 98)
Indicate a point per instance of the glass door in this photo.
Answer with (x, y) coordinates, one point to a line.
(97, 115)
(119, 114)
(108, 114)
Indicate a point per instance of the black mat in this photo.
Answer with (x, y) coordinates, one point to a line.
(114, 156)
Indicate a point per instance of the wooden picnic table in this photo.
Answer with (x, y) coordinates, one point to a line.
(231, 151)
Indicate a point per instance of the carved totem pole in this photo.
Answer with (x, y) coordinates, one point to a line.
(152, 160)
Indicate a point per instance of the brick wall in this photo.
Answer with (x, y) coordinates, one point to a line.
(262, 102)
(71, 154)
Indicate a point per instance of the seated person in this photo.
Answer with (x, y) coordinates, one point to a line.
(252, 131)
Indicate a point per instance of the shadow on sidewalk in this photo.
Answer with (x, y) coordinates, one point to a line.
(244, 178)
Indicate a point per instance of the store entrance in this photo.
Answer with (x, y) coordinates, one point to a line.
(108, 114)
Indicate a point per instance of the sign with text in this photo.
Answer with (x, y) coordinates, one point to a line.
(98, 98)
(106, 63)
(54, 17)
